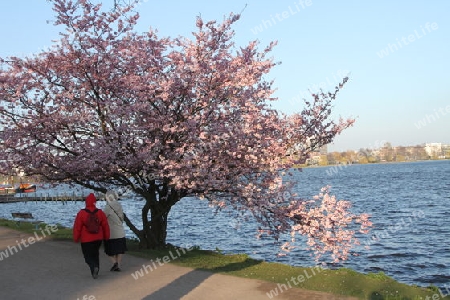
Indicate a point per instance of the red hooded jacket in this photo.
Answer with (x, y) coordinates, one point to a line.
(80, 232)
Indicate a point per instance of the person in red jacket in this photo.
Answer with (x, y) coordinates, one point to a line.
(91, 242)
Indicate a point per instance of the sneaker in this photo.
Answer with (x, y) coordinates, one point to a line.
(114, 267)
(117, 269)
(95, 273)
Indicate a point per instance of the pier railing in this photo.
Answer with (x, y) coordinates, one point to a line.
(63, 197)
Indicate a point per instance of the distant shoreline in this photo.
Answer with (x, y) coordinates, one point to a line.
(371, 163)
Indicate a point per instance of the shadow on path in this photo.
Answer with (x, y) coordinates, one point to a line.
(181, 286)
(184, 284)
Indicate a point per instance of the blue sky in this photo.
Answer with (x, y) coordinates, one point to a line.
(396, 52)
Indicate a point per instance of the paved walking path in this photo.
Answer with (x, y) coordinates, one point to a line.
(50, 269)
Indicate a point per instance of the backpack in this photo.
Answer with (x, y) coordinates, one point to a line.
(92, 223)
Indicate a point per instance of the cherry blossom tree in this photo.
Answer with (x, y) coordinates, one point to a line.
(168, 119)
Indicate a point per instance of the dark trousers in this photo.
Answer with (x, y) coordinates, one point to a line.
(91, 254)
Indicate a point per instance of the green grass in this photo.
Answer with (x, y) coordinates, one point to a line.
(373, 286)
(339, 282)
(28, 227)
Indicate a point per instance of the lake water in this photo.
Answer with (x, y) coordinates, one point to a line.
(409, 204)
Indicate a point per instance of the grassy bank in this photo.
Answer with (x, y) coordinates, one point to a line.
(339, 282)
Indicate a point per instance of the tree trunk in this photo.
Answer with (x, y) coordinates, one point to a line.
(154, 231)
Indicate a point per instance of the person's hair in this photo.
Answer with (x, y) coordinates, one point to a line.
(111, 196)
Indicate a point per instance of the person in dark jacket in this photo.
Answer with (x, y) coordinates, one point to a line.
(91, 242)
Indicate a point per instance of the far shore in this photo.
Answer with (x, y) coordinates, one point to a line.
(371, 163)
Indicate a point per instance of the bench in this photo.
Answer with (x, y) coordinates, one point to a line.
(20, 216)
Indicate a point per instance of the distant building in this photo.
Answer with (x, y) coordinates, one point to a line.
(446, 151)
(433, 149)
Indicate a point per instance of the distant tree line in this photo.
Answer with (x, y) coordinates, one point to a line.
(386, 153)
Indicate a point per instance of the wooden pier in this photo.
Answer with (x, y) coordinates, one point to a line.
(43, 197)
